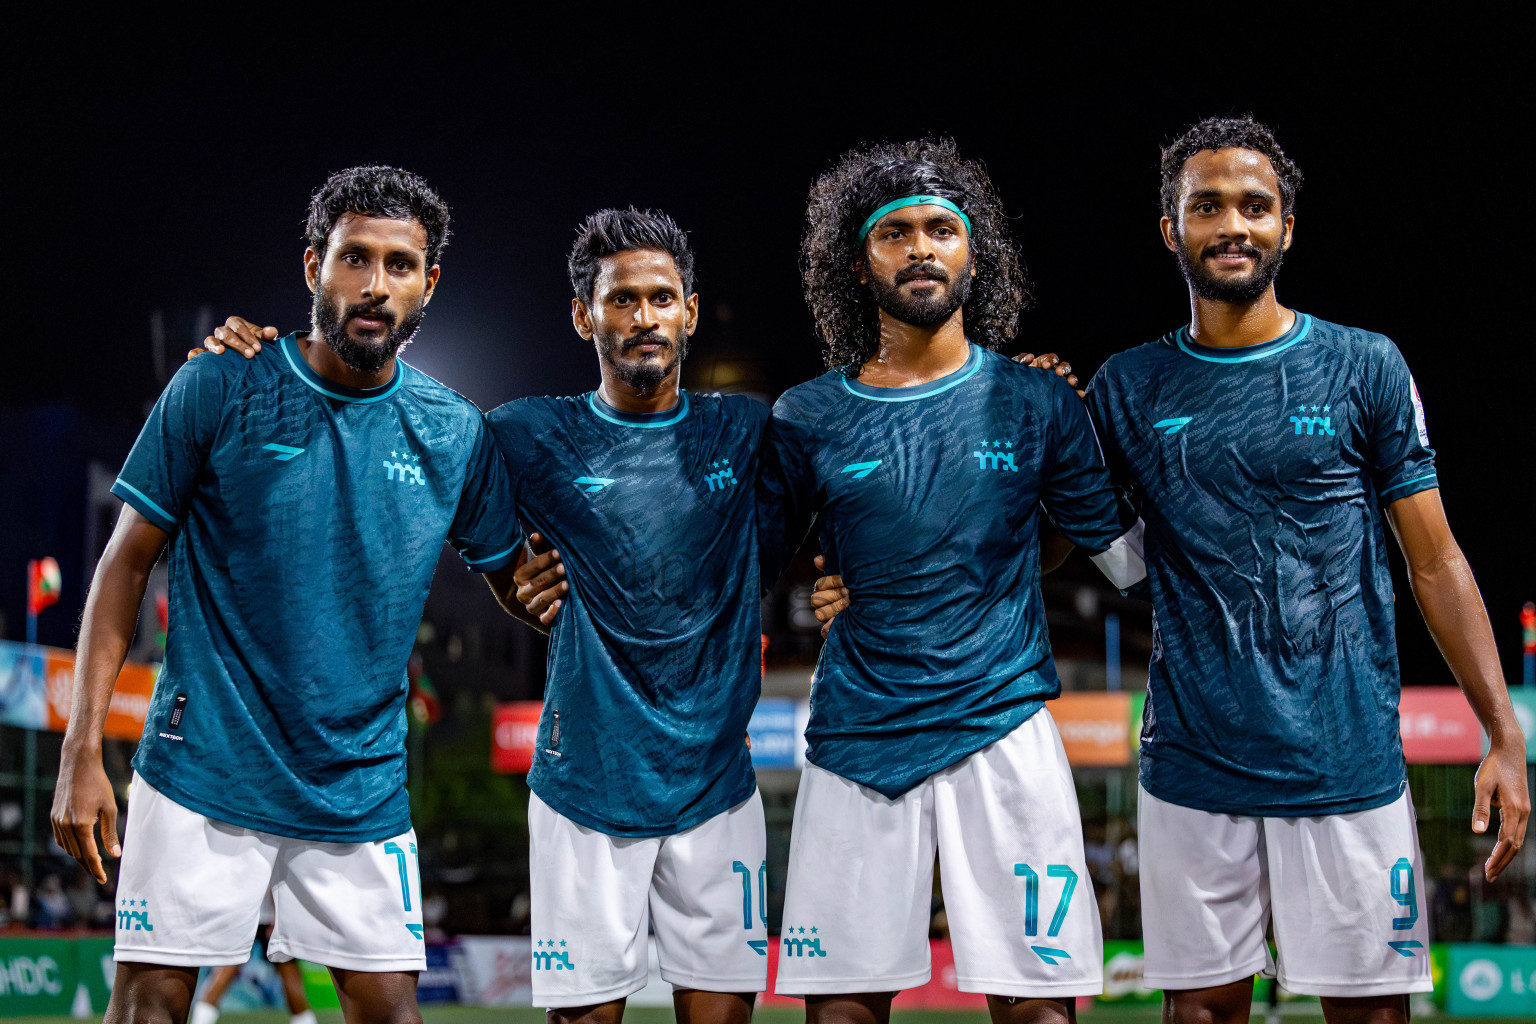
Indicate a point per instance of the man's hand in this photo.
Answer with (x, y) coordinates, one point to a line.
(83, 797)
(541, 583)
(1500, 783)
(237, 333)
(828, 598)
(1051, 361)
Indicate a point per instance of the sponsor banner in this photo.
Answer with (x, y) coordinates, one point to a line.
(1123, 972)
(37, 684)
(55, 976)
(1438, 726)
(1490, 981)
(778, 738)
(1095, 727)
(1138, 707)
(439, 983)
(514, 734)
(1524, 700)
(495, 970)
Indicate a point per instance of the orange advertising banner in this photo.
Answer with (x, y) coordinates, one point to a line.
(1095, 727)
(37, 685)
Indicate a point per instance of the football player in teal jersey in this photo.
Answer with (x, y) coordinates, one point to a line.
(1265, 449)
(303, 501)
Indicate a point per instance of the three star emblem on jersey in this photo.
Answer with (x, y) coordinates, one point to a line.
(722, 476)
(591, 484)
(402, 468)
(992, 456)
(1314, 423)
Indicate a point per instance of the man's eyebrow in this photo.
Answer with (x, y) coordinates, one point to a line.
(1259, 193)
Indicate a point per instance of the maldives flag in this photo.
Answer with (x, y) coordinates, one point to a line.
(42, 584)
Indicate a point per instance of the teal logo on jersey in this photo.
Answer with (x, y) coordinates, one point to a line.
(798, 945)
(402, 469)
(1050, 955)
(860, 470)
(551, 959)
(992, 457)
(130, 920)
(1173, 423)
(722, 477)
(591, 484)
(1314, 424)
(281, 452)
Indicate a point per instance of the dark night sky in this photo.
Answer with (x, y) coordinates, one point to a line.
(175, 178)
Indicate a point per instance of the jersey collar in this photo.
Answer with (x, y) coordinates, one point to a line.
(1299, 330)
(916, 391)
(289, 346)
(665, 418)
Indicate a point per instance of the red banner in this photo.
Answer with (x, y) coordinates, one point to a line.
(1439, 727)
(514, 734)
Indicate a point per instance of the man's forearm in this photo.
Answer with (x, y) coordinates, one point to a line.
(111, 616)
(1453, 610)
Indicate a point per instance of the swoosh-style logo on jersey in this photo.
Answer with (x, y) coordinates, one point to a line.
(1050, 955)
(591, 484)
(1174, 424)
(1406, 947)
(281, 452)
(860, 470)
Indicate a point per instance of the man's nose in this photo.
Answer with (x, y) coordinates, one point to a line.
(1233, 224)
(645, 315)
(922, 248)
(376, 289)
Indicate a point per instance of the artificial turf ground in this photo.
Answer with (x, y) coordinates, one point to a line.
(1137, 1014)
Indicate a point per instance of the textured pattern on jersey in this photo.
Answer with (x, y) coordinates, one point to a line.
(304, 531)
(655, 656)
(1261, 474)
(927, 499)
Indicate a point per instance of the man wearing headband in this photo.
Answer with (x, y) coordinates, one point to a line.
(923, 460)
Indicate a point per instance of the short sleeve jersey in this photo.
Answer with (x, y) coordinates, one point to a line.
(1261, 474)
(927, 500)
(655, 656)
(306, 519)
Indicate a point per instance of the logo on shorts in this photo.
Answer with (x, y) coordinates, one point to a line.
(550, 960)
(801, 946)
(133, 920)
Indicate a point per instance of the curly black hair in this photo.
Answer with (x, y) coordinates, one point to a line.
(612, 231)
(865, 179)
(1228, 133)
(377, 191)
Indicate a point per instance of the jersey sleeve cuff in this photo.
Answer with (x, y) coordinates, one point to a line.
(1427, 482)
(490, 563)
(145, 506)
(1122, 562)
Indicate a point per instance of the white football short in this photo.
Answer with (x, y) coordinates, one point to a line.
(1344, 891)
(191, 890)
(703, 892)
(1022, 915)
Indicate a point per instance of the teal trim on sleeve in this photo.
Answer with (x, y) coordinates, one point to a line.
(916, 391)
(141, 501)
(495, 561)
(1410, 483)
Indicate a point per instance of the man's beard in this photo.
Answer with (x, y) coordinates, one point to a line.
(1237, 290)
(362, 356)
(645, 375)
(922, 310)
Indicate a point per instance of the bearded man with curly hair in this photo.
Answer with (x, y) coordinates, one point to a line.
(924, 459)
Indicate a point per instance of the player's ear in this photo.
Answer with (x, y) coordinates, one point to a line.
(861, 270)
(691, 314)
(432, 275)
(1290, 232)
(1170, 234)
(581, 319)
(311, 268)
